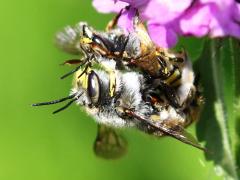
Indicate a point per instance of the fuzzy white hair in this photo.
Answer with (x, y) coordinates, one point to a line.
(128, 84)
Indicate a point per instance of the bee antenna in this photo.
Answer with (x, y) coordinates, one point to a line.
(55, 101)
(84, 71)
(84, 61)
(71, 72)
(68, 104)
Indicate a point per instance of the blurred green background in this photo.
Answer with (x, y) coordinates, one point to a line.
(38, 145)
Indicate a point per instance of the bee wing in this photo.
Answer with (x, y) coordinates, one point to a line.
(179, 133)
(68, 40)
(109, 144)
(176, 131)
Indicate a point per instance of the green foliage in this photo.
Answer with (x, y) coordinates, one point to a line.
(37, 145)
(218, 66)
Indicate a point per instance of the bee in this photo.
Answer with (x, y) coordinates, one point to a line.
(129, 51)
(128, 108)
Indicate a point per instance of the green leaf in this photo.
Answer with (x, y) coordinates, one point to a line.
(219, 125)
(194, 46)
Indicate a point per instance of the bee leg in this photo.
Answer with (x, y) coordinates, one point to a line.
(178, 57)
(85, 60)
(72, 62)
(182, 55)
(136, 20)
(111, 24)
(138, 24)
(81, 62)
(86, 68)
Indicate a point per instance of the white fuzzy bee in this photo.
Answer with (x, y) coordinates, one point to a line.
(126, 106)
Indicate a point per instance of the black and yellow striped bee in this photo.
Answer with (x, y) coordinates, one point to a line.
(129, 107)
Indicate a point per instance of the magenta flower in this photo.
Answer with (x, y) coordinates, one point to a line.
(168, 19)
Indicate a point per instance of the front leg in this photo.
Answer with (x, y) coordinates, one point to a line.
(111, 24)
(80, 63)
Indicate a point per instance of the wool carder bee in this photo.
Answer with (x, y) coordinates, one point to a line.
(128, 107)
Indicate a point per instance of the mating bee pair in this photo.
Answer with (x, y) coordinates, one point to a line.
(159, 98)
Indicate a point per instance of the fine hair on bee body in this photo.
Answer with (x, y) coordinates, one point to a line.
(137, 84)
(107, 109)
(126, 108)
(129, 51)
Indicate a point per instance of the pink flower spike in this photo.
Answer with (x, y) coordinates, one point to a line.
(136, 3)
(196, 21)
(164, 11)
(167, 19)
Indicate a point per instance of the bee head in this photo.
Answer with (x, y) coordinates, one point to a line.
(90, 41)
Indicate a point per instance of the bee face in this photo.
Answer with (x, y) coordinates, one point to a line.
(90, 84)
(94, 87)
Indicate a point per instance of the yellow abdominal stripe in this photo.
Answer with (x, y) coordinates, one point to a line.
(173, 77)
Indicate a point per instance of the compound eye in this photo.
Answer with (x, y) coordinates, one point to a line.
(93, 87)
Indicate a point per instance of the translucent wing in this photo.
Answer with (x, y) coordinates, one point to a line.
(181, 134)
(109, 144)
(176, 131)
(68, 40)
